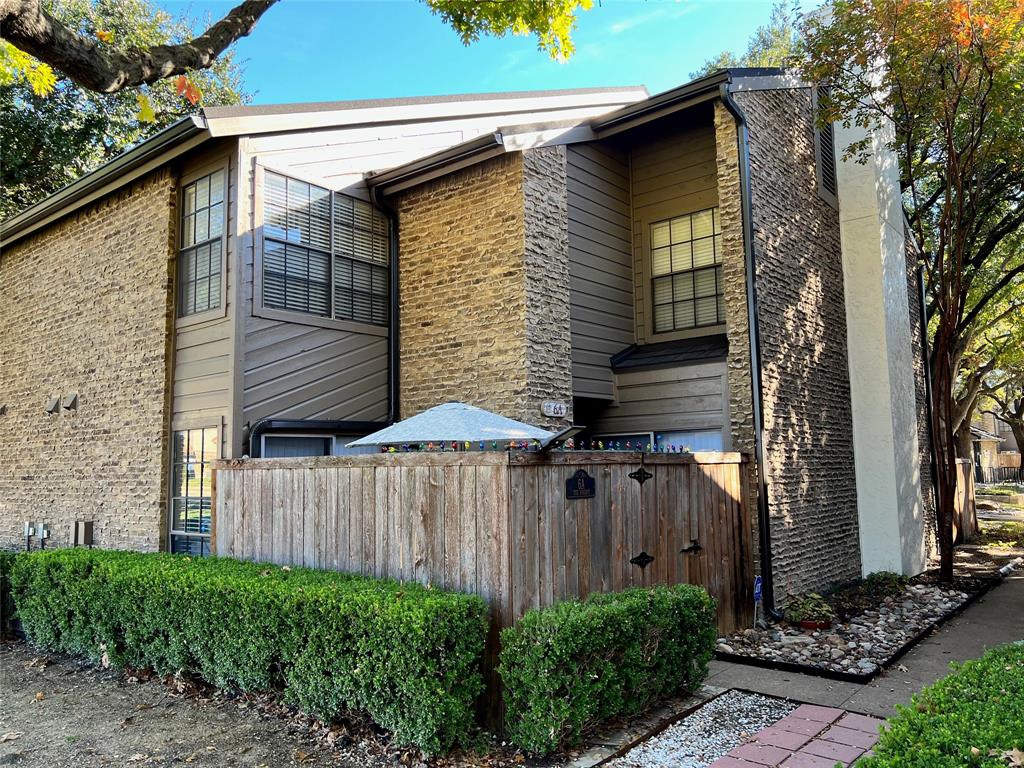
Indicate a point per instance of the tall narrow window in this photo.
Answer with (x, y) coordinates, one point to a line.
(825, 151)
(686, 272)
(192, 456)
(201, 250)
(324, 253)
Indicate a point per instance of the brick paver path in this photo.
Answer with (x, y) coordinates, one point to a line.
(808, 737)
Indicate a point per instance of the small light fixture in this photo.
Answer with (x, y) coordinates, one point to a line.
(70, 402)
(53, 404)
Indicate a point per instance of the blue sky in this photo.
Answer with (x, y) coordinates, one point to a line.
(306, 50)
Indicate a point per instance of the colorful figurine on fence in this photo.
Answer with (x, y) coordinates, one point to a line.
(468, 445)
(600, 445)
(570, 444)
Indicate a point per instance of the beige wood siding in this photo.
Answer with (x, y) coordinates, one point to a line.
(600, 264)
(668, 399)
(295, 369)
(204, 351)
(673, 172)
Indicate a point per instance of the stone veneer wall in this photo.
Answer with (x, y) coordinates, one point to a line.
(921, 401)
(741, 408)
(484, 295)
(86, 307)
(546, 273)
(805, 376)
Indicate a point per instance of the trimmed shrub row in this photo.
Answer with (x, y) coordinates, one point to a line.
(973, 717)
(570, 666)
(408, 655)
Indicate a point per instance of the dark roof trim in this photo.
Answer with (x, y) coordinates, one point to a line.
(660, 104)
(438, 164)
(668, 354)
(136, 157)
(334, 106)
(675, 100)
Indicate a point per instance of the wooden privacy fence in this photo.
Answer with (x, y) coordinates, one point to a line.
(500, 525)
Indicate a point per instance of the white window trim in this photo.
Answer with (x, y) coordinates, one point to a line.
(285, 315)
(219, 312)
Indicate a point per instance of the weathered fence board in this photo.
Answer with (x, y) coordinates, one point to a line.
(498, 524)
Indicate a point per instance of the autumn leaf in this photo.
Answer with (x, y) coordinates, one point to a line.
(9, 736)
(104, 36)
(146, 113)
(180, 84)
(192, 93)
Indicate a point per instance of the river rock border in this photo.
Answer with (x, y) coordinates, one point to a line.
(856, 649)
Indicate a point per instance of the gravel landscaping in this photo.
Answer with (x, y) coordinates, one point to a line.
(707, 734)
(860, 645)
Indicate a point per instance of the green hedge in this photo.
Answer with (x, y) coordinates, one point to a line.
(959, 720)
(408, 655)
(568, 667)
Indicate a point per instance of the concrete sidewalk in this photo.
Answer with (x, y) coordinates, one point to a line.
(995, 619)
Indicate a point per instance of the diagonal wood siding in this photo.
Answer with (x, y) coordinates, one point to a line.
(498, 524)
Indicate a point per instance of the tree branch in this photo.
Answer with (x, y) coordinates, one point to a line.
(105, 69)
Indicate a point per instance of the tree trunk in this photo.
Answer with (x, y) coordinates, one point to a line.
(944, 446)
(963, 441)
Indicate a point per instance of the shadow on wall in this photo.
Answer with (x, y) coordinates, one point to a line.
(806, 389)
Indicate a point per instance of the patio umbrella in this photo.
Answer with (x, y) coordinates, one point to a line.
(454, 422)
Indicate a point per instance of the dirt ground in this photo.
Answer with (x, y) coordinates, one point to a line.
(60, 713)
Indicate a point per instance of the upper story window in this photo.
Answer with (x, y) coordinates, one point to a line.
(324, 253)
(686, 272)
(201, 249)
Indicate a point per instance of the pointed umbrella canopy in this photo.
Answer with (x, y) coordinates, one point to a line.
(454, 422)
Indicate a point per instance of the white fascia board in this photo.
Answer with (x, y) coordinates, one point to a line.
(297, 121)
(569, 134)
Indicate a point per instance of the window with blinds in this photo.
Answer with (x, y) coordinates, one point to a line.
(201, 246)
(686, 272)
(324, 253)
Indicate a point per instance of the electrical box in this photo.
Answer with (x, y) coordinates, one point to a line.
(83, 533)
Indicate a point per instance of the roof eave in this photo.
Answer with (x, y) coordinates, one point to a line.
(62, 202)
(438, 164)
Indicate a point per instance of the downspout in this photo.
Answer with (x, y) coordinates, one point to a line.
(746, 202)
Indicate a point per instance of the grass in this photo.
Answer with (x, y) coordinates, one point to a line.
(1000, 534)
(1002, 489)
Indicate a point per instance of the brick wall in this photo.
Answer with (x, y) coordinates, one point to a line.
(85, 306)
(484, 295)
(806, 389)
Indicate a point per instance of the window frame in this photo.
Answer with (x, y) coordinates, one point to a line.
(655, 216)
(292, 316)
(188, 426)
(315, 435)
(218, 312)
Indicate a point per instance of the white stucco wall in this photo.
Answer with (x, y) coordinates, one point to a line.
(890, 506)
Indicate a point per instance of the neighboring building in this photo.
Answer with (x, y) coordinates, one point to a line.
(274, 280)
